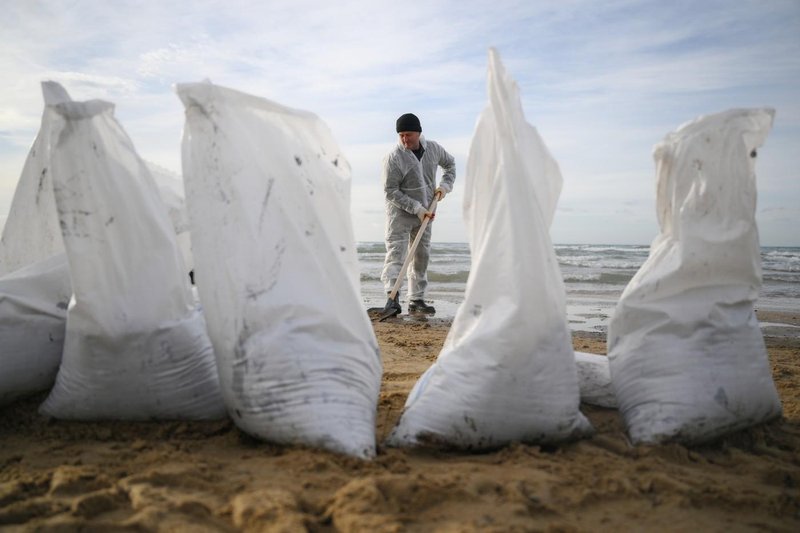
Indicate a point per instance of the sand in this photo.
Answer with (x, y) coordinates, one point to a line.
(178, 476)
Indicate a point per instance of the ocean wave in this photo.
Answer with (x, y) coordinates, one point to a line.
(450, 247)
(371, 247)
(433, 276)
(780, 267)
(605, 278)
(594, 262)
(773, 292)
(781, 275)
(602, 248)
(781, 252)
(602, 278)
(371, 259)
(448, 277)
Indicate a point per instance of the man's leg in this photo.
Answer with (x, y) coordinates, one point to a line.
(397, 238)
(418, 272)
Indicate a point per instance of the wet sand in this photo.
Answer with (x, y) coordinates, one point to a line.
(179, 476)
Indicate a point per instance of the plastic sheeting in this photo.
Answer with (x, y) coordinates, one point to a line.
(135, 348)
(277, 271)
(687, 356)
(507, 369)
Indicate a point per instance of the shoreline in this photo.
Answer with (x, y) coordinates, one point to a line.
(775, 324)
(209, 476)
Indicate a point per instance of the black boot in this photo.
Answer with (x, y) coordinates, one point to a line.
(419, 306)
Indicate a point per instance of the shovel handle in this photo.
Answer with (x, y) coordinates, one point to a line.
(399, 282)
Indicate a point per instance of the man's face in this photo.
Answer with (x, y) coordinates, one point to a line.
(409, 139)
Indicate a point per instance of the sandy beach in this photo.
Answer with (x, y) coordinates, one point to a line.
(179, 476)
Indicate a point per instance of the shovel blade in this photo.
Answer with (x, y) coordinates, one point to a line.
(389, 314)
(392, 308)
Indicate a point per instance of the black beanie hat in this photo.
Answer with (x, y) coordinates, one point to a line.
(408, 122)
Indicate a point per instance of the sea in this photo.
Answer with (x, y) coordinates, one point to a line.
(594, 278)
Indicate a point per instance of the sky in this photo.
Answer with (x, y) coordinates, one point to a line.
(602, 81)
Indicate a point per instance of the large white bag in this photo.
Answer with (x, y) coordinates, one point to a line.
(277, 271)
(31, 232)
(507, 368)
(687, 356)
(34, 276)
(33, 311)
(135, 346)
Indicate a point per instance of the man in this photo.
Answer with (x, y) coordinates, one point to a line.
(409, 184)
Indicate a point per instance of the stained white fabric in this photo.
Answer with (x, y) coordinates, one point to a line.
(31, 232)
(34, 276)
(507, 369)
(686, 354)
(135, 347)
(267, 190)
(401, 231)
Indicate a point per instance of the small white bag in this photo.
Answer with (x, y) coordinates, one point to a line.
(594, 377)
(507, 369)
(33, 312)
(687, 357)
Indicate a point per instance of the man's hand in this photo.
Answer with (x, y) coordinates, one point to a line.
(426, 214)
(440, 194)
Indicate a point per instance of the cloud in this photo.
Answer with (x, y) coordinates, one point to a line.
(602, 82)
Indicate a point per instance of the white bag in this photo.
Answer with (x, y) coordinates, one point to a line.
(33, 310)
(31, 232)
(594, 379)
(34, 276)
(507, 369)
(687, 357)
(277, 271)
(135, 348)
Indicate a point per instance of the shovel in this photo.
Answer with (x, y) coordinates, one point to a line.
(392, 307)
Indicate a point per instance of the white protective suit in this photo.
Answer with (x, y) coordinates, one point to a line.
(409, 184)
